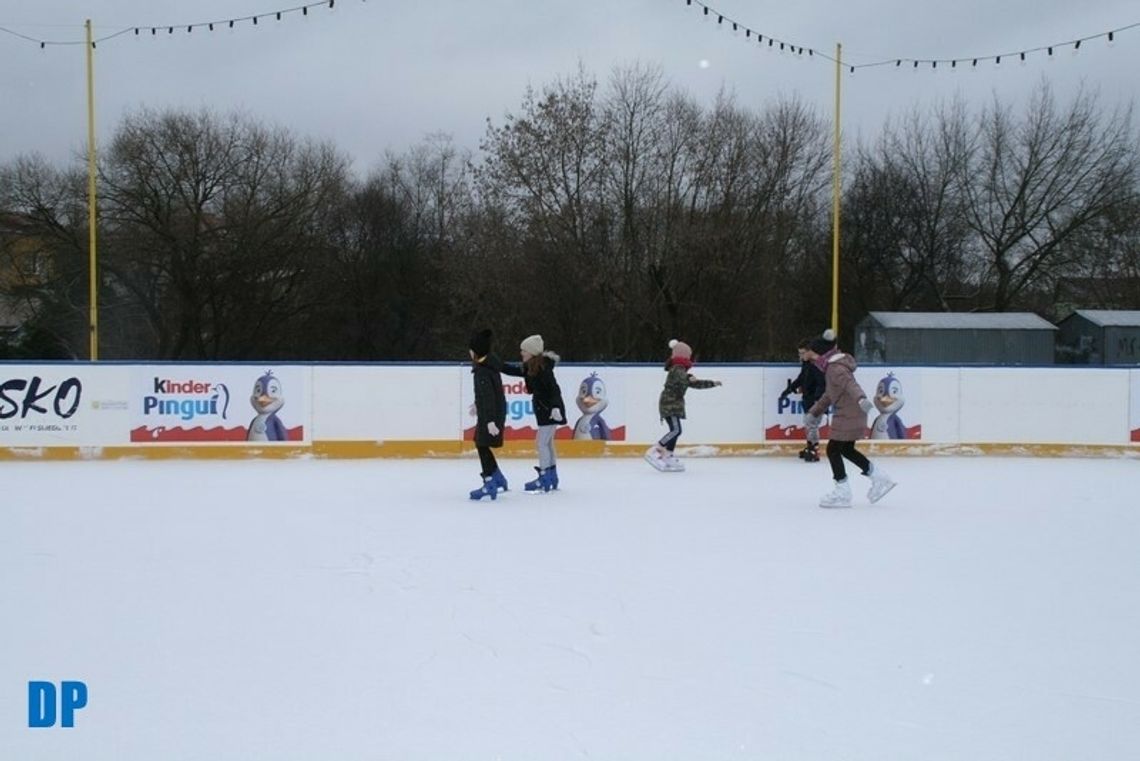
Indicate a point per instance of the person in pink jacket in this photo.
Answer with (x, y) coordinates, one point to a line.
(848, 421)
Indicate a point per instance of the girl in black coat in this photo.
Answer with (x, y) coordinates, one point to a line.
(537, 371)
(490, 413)
(811, 383)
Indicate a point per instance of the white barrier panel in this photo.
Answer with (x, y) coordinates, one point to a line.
(387, 402)
(1055, 405)
(136, 406)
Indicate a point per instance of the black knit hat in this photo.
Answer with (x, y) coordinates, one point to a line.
(824, 343)
(480, 343)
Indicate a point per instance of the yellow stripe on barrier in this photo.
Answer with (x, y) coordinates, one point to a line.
(358, 450)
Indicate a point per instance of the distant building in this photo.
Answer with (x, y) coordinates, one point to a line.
(955, 338)
(1100, 337)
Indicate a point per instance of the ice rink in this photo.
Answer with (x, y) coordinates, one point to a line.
(988, 608)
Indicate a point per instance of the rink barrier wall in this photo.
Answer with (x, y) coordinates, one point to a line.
(137, 411)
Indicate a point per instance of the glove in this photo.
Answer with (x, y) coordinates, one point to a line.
(783, 397)
(492, 428)
(865, 405)
(556, 415)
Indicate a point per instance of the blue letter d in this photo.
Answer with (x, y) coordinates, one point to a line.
(41, 704)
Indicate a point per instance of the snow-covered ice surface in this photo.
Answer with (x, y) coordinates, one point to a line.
(986, 609)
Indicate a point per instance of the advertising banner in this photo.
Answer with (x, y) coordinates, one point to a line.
(593, 405)
(212, 404)
(889, 390)
(1134, 405)
(63, 405)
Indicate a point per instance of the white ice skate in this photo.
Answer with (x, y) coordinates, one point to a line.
(663, 460)
(654, 457)
(881, 483)
(840, 496)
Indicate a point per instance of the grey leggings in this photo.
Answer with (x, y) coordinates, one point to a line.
(545, 443)
(811, 426)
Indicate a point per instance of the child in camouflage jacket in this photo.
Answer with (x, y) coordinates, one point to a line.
(671, 405)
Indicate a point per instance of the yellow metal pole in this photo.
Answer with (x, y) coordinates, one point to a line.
(836, 188)
(93, 272)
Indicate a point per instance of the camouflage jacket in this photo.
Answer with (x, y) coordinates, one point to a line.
(677, 382)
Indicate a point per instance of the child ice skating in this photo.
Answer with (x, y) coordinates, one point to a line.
(671, 406)
(490, 413)
(537, 372)
(810, 384)
(848, 422)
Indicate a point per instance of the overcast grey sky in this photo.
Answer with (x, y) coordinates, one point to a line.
(372, 75)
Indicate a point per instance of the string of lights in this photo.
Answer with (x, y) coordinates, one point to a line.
(769, 41)
(169, 29)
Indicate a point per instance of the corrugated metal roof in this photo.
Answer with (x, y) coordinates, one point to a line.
(963, 320)
(1111, 318)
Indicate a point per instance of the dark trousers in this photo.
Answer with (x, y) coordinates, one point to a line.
(669, 440)
(487, 460)
(837, 450)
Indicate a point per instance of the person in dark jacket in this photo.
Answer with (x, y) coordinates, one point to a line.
(809, 384)
(848, 422)
(671, 405)
(537, 372)
(490, 413)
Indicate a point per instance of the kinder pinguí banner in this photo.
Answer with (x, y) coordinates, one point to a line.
(211, 404)
(592, 396)
(896, 395)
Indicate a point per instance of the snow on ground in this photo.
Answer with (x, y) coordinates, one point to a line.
(986, 609)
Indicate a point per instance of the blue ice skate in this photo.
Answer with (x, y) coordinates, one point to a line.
(551, 476)
(500, 480)
(537, 483)
(488, 489)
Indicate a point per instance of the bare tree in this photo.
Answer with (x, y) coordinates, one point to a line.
(906, 229)
(44, 270)
(213, 226)
(1031, 185)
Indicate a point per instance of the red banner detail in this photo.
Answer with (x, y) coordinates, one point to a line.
(145, 435)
